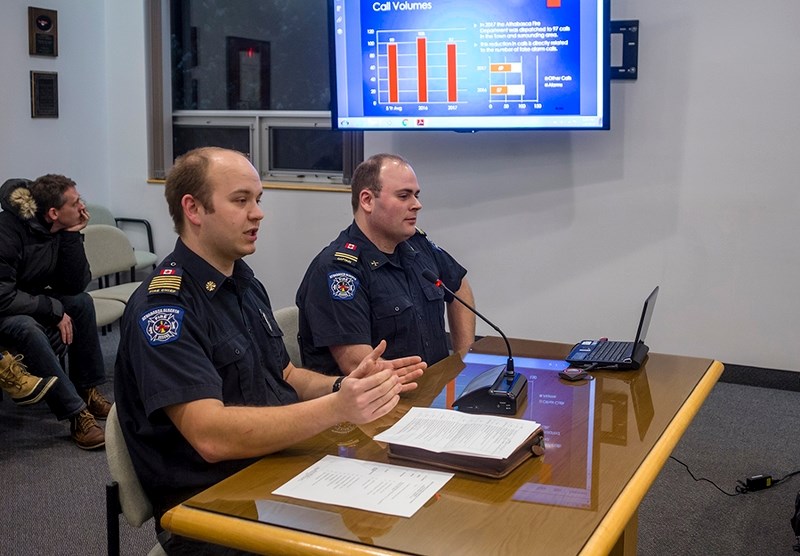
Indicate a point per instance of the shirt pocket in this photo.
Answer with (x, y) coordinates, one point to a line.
(230, 351)
(274, 344)
(233, 359)
(395, 322)
(434, 310)
(432, 293)
(270, 324)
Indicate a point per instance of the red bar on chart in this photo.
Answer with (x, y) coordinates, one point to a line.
(394, 91)
(422, 69)
(452, 75)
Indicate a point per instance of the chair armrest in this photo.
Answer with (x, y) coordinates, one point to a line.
(143, 222)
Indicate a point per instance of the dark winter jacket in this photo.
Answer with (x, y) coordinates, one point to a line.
(36, 266)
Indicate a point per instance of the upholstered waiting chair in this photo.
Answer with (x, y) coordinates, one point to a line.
(287, 318)
(101, 215)
(109, 252)
(124, 495)
(107, 312)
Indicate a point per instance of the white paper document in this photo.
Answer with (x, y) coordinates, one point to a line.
(444, 430)
(377, 487)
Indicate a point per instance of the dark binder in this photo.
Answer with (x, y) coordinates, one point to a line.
(478, 465)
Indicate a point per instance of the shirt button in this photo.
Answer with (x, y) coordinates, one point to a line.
(397, 309)
(236, 351)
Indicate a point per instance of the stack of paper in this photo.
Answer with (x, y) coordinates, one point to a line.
(484, 444)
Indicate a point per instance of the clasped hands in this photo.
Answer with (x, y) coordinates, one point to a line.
(373, 388)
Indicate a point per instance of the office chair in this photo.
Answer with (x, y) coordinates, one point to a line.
(144, 258)
(287, 318)
(124, 494)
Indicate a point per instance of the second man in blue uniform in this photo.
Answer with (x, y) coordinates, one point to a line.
(367, 285)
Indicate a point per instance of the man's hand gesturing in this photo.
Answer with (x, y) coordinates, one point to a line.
(374, 387)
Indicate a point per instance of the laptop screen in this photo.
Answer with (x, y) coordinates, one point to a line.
(647, 313)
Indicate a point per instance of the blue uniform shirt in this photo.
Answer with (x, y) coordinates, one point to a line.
(353, 293)
(191, 333)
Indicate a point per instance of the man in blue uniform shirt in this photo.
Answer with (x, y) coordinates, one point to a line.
(367, 285)
(203, 381)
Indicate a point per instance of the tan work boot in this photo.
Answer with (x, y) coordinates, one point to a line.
(97, 405)
(85, 431)
(23, 387)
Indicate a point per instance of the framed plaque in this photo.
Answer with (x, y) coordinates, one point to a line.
(44, 94)
(42, 32)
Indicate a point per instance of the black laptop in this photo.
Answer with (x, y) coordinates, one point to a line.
(602, 354)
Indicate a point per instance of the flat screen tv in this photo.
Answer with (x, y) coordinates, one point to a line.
(469, 65)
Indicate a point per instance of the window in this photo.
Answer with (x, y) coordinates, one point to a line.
(250, 75)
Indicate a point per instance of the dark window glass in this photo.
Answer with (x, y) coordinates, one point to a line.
(186, 138)
(249, 55)
(299, 149)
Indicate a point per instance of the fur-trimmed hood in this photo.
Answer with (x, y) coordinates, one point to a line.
(15, 197)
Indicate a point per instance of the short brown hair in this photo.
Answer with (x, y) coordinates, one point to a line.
(367, 175)
(48, 191)
(189, 176)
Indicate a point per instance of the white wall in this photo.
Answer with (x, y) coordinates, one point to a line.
(76, 143)
(695, 187)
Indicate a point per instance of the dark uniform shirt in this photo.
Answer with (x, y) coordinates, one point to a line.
(353, 293)
(191, 333)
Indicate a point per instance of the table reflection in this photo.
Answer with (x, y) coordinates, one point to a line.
(570, 416)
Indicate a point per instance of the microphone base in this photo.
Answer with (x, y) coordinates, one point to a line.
(493, 393)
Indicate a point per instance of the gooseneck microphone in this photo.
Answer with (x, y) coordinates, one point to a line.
(431, 277)
(491, 392)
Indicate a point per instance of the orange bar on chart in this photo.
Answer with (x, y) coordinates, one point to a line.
(394, 90)
(422, 69)
(452, 74)
(553, 3)
(499, 68)
(499, 90)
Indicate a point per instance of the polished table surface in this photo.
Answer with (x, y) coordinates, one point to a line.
(607, 440)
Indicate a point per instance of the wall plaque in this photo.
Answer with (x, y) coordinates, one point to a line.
(42, 32)
(44, 94)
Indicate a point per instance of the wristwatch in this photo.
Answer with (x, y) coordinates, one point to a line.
(337, 384)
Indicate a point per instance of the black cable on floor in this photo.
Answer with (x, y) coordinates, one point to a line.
(742, 486)
(737, 493)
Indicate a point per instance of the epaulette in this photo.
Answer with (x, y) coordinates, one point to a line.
(167, 280)
(347, 253)
(423, 234)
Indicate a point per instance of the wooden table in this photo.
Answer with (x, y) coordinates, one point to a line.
(607, 440)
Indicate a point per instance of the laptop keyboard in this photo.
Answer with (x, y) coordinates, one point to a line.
(611, 351)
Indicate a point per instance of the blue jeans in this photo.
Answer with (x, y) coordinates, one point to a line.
(39, 344)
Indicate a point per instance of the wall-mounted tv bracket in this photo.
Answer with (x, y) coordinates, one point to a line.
(625, 38)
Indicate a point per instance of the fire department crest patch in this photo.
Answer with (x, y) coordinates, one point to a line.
(162, 325)
(342, 285)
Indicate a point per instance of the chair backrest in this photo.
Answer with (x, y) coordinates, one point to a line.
(108, 250)
(100, 215)
(135, 505)
(287, 318)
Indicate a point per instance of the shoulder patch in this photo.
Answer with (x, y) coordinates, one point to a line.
(167, 280)
(162, 325)
(347, 253)
(342, 285)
